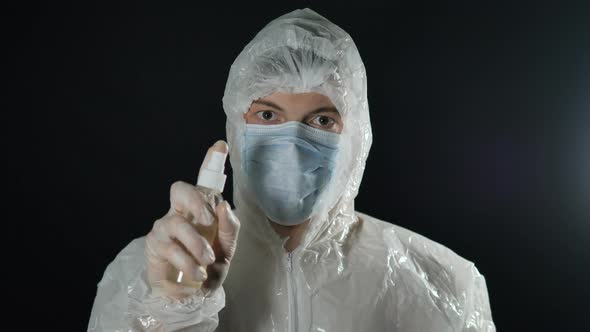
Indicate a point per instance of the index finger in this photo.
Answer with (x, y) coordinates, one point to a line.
(186, 200)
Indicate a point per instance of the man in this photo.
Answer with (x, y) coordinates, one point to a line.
(299, 134)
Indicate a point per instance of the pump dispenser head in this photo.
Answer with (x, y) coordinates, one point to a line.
(211, 173)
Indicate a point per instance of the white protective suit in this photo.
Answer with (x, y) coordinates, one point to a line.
(351, 272)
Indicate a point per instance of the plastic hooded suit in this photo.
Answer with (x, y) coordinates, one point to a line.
(351, 272)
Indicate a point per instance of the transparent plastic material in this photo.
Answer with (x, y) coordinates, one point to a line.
(351, 271)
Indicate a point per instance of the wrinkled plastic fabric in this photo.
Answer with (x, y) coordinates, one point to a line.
(352, 272)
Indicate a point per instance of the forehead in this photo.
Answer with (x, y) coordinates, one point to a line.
(299, 100)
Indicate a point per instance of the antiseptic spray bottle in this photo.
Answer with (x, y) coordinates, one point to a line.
(210, 183)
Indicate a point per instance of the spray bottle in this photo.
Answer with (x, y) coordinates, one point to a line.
(210, 183)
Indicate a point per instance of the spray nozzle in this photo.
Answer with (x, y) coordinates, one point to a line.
(211, 173)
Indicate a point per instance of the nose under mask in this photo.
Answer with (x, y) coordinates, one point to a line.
(287, 167)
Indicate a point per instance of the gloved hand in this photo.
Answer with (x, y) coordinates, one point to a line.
(175, 242)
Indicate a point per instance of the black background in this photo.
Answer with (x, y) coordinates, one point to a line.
(480, 114)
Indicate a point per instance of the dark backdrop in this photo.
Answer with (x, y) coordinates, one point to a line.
(480, 114)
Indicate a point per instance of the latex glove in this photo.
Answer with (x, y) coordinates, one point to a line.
(175, 242)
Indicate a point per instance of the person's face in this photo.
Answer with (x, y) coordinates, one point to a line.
(313, 109)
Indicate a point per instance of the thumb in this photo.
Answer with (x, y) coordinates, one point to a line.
(215, 164)
(227, 234)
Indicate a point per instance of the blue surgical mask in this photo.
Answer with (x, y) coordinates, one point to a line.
(287, 166)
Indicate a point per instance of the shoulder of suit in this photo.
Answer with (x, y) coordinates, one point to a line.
(396, 240)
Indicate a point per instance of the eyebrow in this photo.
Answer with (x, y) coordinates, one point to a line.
(330, 109)
(324, 109)
(268, 103)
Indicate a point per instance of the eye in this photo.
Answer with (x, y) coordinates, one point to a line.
(266, 115)
(323, 121)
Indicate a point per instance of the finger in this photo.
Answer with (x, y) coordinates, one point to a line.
(174, 227)
(229, 227)
(228, 222)
(152, 251)
(182, 261)
(219, 146)
(159, 231)
(189, 237)
(156, 239)
(187, 201)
